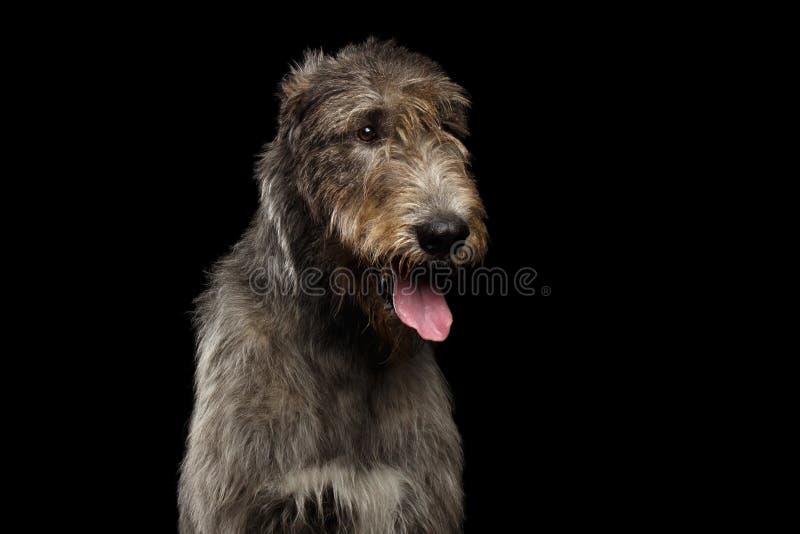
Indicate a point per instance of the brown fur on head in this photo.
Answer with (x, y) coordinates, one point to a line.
(371, 196)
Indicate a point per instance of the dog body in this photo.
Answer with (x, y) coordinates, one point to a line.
(319, 410)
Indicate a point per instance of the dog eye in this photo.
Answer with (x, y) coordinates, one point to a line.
(450, 129)
(367, 134)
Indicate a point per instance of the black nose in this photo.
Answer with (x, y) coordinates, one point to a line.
(438, 235)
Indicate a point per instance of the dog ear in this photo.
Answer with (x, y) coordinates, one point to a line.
(295, 85)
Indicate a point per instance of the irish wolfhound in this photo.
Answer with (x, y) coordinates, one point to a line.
(321, 410)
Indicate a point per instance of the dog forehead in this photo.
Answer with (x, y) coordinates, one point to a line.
(380, 82)
(355, 98)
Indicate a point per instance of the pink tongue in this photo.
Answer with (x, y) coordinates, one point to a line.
(421, 308)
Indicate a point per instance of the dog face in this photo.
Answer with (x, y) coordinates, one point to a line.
(375, 137)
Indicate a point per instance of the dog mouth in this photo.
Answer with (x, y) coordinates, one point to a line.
(418, 301)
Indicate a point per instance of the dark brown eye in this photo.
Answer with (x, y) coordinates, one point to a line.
(367, 134)
(450, 129)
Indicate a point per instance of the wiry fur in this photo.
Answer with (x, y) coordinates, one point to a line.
(326, 413)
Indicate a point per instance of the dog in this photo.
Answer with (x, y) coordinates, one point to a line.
(319, 409)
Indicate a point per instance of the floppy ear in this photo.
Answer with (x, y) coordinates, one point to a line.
(295, 85)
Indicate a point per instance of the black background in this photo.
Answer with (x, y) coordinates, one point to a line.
(552, 403)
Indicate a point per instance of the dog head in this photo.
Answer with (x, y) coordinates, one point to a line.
(375, 138)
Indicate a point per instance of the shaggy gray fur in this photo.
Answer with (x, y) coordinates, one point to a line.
(325, 413)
